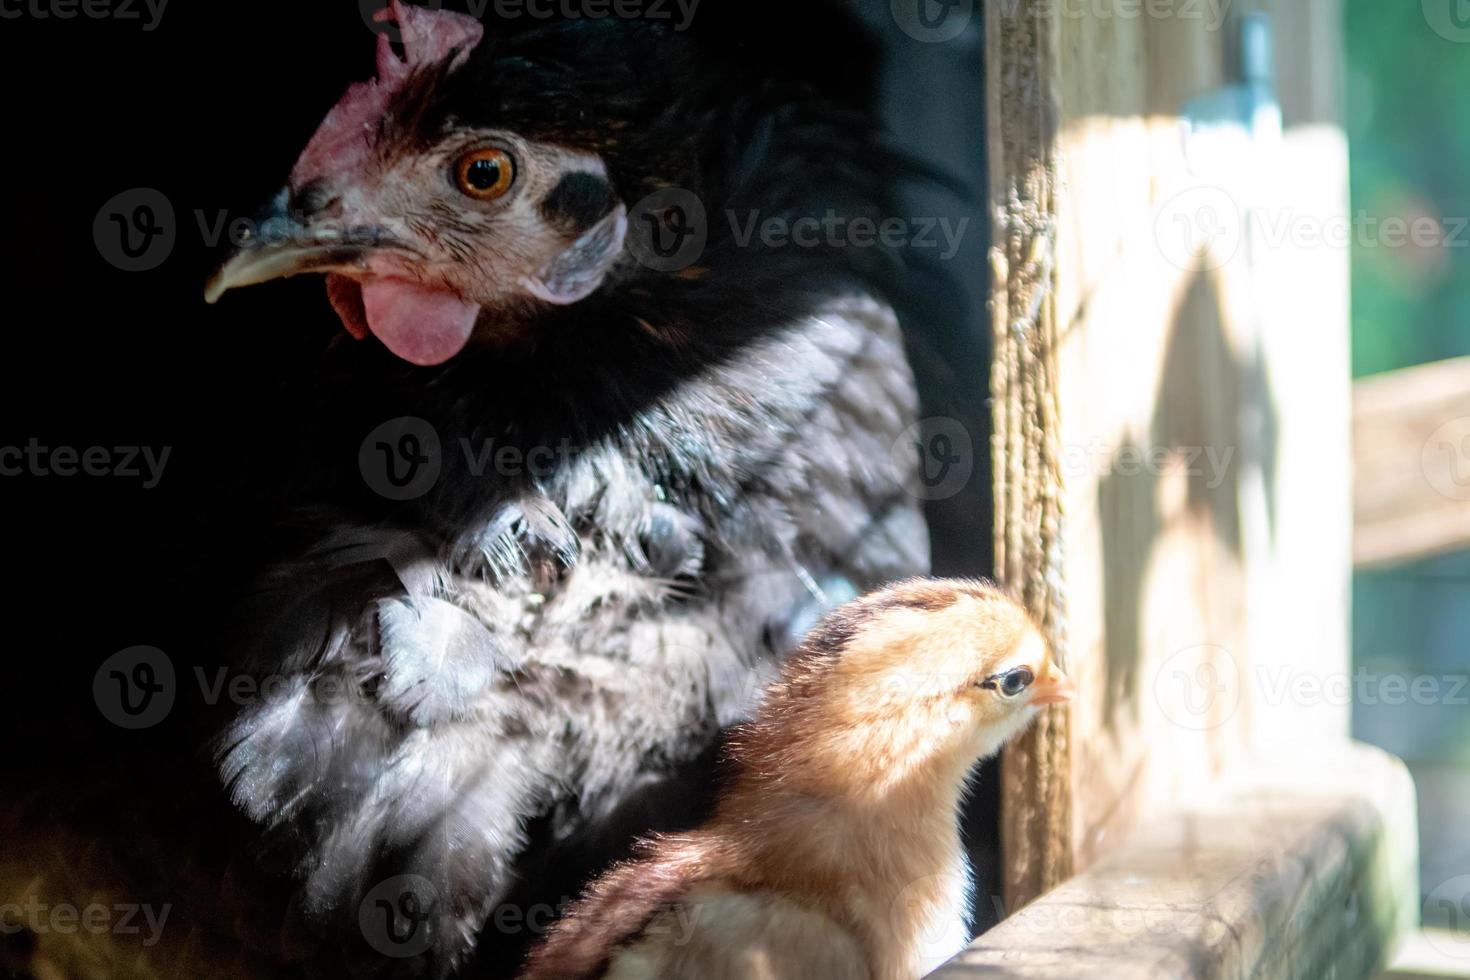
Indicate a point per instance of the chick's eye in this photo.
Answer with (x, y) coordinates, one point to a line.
(484, 174)
(1015, 681)
(1011, 683)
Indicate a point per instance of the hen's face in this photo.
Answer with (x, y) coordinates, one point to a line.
(428, 230)
(480, 220)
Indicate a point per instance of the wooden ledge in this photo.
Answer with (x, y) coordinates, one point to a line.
(1411, 433)
(1304, 870)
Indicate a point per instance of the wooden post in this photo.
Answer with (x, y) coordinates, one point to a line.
(1036, 815)
(1171, 377)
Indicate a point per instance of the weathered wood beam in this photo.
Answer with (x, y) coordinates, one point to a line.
(1411, 451)
(1298, 870)
(1021, 82)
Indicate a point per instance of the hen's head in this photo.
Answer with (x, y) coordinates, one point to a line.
(423, 208)
(482, 180)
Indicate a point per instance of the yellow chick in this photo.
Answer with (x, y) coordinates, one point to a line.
(834, 852)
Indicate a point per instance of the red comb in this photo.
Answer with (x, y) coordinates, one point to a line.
(341, 142)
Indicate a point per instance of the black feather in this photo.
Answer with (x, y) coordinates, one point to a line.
(577, 202)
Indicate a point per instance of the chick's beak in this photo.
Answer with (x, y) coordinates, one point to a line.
(281, 245)
(1055, 688)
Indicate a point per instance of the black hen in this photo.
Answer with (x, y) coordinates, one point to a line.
(627, 450)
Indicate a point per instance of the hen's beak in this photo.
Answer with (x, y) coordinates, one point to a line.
(1056, 688)
(281, 245)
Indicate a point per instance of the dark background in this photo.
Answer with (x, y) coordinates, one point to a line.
(211, 108)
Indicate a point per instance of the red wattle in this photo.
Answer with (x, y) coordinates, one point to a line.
(421, 325)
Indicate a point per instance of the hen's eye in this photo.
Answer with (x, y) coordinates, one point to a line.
(1011, 683)
(484, 174)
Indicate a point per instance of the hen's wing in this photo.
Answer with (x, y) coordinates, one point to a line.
(435, 699)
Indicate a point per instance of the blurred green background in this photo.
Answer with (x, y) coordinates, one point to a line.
(1408, 114)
